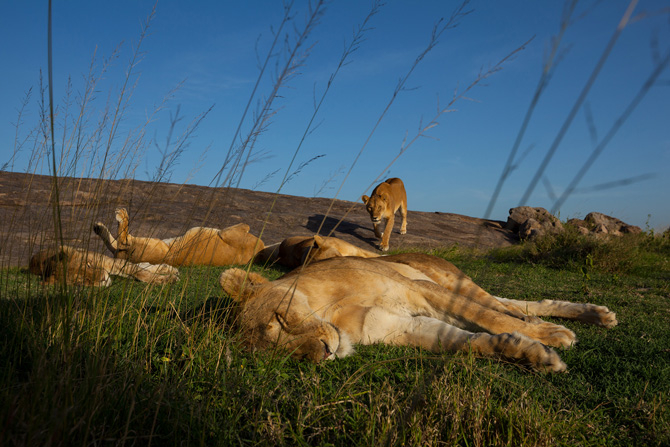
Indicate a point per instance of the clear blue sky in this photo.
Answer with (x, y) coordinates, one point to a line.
(214, 46)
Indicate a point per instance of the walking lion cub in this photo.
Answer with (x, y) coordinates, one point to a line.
(318, 312)
(385, 200)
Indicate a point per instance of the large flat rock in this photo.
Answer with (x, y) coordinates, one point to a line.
(166, 210)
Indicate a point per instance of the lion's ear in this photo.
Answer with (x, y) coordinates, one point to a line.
(365, 199)
(318, 241)
(239, 284)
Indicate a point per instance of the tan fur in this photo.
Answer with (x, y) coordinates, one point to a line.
(408, 299)
(386, 199)
(198, 246)
(94, 269)
(298, 250)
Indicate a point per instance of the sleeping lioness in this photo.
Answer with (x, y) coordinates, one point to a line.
(198, 246)
(94, 269)
(385, 200)
(298, 250)
(412, 299)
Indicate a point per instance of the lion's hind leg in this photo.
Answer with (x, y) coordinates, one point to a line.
(123, 220)
(584, 312)
(403, 215)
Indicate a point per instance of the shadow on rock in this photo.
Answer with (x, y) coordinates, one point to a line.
(333, 227)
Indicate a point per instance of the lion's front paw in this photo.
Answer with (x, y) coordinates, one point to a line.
(545, 359)
(98, 228)
(403, 231)
(552, 334)
(158, 273)
(521, 348)
(383, 247)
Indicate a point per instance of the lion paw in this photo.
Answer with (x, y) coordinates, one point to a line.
(600, 316)
(552, 334)
(516, 346)
(121, 214)
(158, 273)
(98, 228)
(383, 247)
(545, 359)
(403, 231)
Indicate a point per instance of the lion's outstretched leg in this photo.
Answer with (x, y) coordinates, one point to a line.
(450, 306)
(145, 272)
(584, 312)
(435, 335)
(110, 242)
(451, 278)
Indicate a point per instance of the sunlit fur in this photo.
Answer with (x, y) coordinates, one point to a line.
(408, 299)
(298, 250)
(94, 269)
(386, 199)
(198, 246)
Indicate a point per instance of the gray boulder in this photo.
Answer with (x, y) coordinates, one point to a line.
(530, 222)
(603, 224)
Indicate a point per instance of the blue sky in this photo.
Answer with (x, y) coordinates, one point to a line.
(210, 50)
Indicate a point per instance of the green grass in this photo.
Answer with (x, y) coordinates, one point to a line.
(164, 366)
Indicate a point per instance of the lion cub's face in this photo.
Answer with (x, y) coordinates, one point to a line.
(376, 206)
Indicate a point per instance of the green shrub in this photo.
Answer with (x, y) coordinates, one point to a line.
(573, 250)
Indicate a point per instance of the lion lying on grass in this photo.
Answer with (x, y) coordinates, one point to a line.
(298, 250)
(95, 269)
(385, 200)
(198, 246)
(408, 299)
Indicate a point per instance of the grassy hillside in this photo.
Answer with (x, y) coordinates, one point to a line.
(142, 365)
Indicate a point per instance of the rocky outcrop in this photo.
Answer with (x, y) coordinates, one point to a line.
(602, 224)
(531, 223)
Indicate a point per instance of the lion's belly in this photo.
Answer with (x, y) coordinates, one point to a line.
(206, 248)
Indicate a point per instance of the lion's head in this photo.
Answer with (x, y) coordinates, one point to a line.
(377, 206)
(274, 315)
(48, 265)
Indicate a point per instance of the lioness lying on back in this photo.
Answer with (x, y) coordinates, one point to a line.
(385, 200)
(94, 269)
(298, 250)
(198, 246)
(410, 299)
